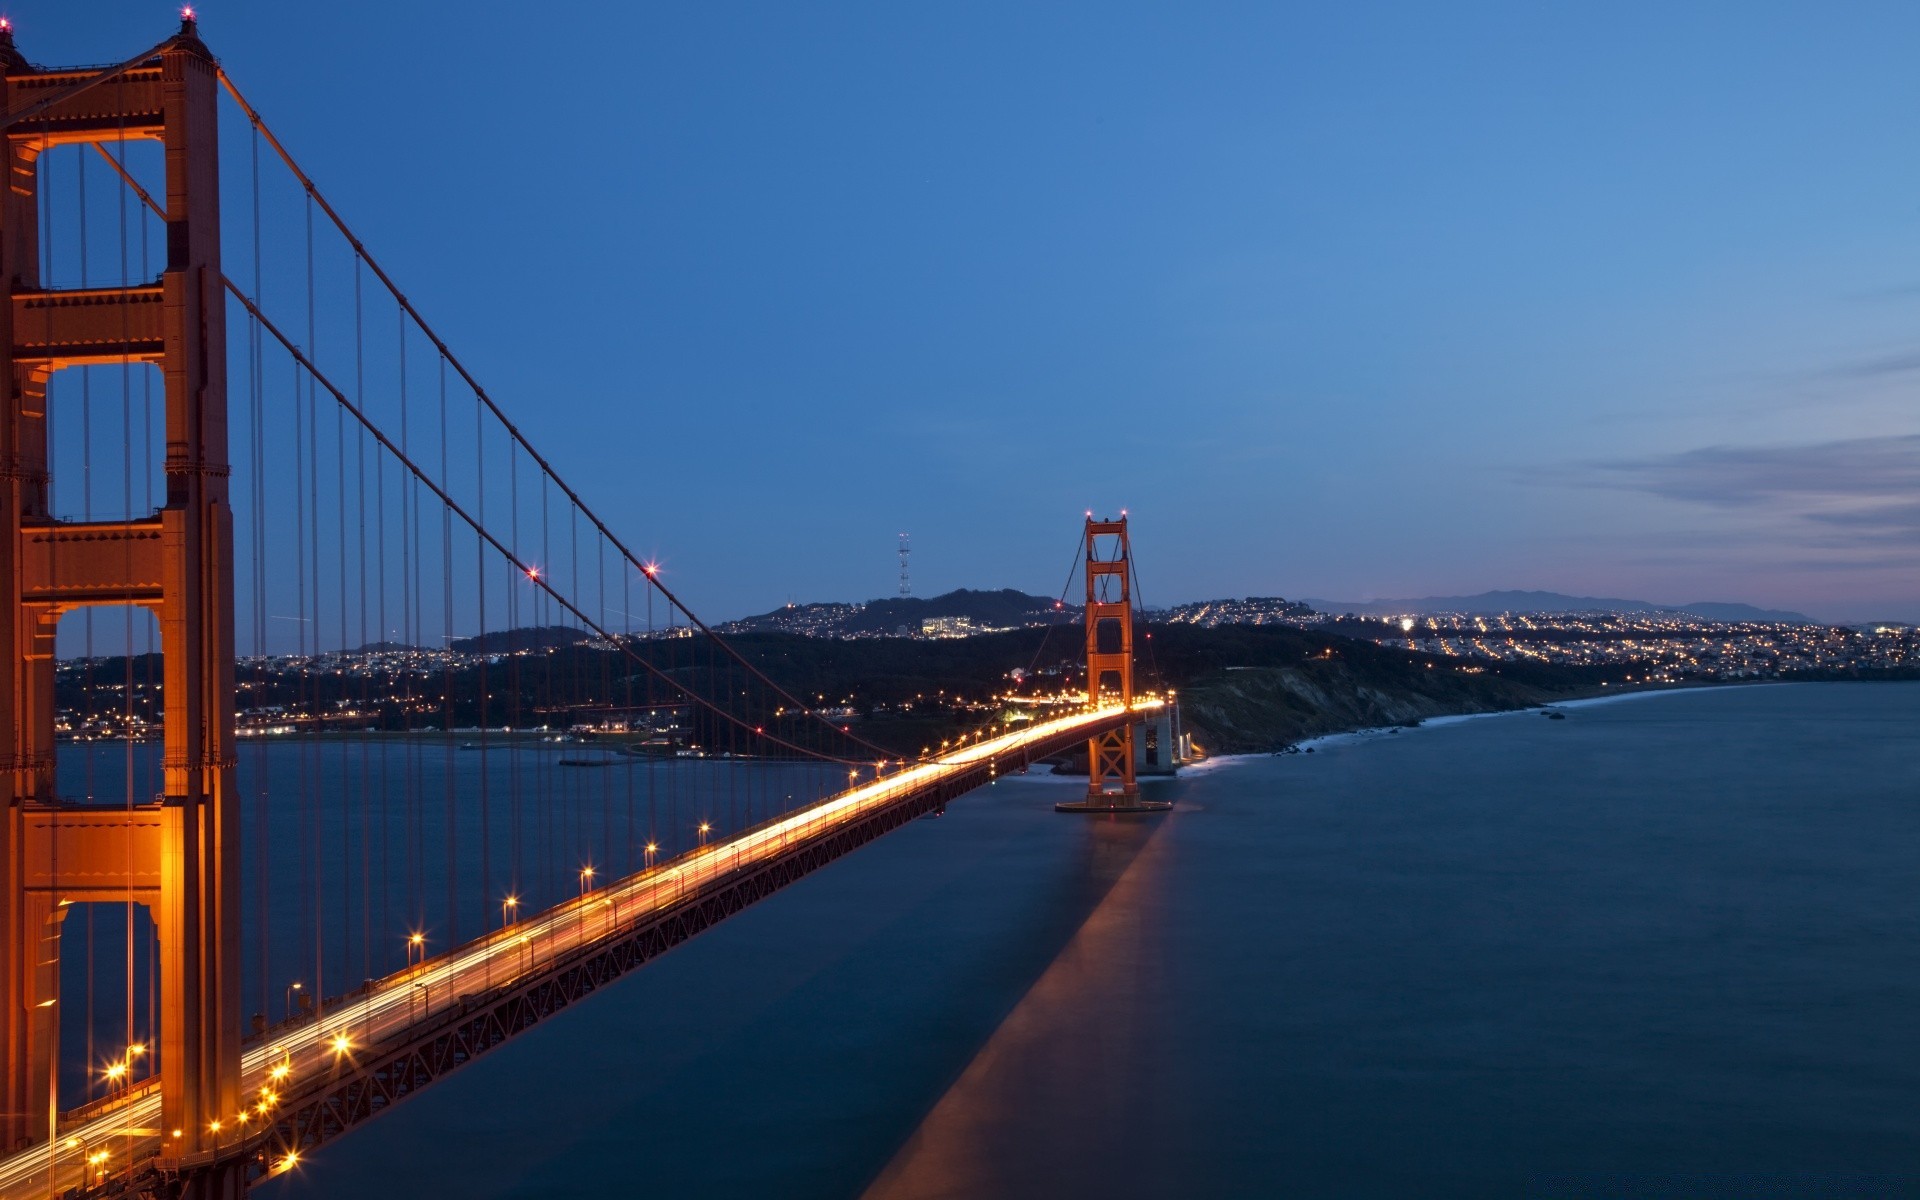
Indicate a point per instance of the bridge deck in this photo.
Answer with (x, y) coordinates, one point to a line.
(312, 1082)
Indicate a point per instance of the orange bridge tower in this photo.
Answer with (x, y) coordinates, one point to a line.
(178, 856)
(1110, 763)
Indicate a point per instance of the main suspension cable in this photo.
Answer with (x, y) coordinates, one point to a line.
(535, 576)
(406, 305)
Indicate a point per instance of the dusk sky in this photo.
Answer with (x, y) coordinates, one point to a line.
(1346, 301)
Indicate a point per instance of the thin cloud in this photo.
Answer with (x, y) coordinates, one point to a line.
(1878, 368)
(1862, 475)
(1821, 507)
(1903, 518)
(1894, 291)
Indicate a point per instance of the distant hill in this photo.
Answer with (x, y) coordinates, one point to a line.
(532, 638)
(1543, 602)
(1744, 612)
(1007, 608)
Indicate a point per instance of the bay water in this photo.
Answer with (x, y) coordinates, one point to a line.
(1666, 946)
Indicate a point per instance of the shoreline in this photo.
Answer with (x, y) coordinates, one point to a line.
(1591, 700)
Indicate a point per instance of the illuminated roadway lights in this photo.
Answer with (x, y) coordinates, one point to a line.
(293, 987)
(509, 908)
(415, 941)
(385, 1004)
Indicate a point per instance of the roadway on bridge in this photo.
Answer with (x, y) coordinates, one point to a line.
(276, 1067)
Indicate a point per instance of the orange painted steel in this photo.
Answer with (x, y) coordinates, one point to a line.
(179, 856)
(1110, 659)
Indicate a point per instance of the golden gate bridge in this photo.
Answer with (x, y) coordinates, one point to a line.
(406, 906)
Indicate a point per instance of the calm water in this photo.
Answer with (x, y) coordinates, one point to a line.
(1668, 946)
(391, 820)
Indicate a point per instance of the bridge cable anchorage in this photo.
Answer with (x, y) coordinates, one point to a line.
(514, 431)
(533, 575)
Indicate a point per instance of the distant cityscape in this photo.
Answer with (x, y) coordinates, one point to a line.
(394, 686)
(1674, 645)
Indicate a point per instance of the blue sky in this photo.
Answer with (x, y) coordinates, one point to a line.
(1338, 300)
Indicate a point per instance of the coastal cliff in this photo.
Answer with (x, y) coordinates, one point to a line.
(1265, 708)
(1248, 689)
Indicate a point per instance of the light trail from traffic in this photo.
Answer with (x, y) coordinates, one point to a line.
(275, 1070)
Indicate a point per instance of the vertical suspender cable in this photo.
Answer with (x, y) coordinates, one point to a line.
(311, 629)
(483, 655)
(256, 379)
(446, 623)
(126, 649)
(385, 680)
(368, 699)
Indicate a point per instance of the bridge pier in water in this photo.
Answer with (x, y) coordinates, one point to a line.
(1112, 754)
(179, 857)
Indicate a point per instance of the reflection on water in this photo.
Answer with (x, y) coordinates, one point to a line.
(1669, 947)
(1079, 1053)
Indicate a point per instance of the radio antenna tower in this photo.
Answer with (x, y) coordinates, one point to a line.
(906, 548)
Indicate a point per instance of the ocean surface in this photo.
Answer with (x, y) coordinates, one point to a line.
(1668, 946)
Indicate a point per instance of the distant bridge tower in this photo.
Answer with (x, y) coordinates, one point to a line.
(1109, 566)
(906, 548)
(179, 856)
